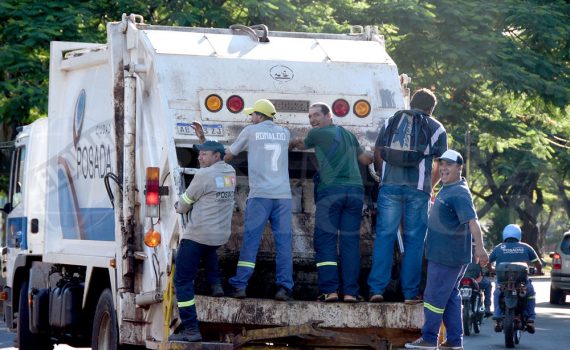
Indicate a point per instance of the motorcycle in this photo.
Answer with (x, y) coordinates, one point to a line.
(511, 278)
(472, 301)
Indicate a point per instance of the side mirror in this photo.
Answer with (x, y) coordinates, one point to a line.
(7, 208)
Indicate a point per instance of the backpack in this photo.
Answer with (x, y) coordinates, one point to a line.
(406, 138)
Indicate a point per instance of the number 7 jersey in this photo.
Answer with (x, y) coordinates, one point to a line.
(267, 146)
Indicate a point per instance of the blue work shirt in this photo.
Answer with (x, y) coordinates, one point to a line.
(513, 252)
(448, 239)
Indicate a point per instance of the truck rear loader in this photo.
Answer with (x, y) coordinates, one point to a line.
(91, 230)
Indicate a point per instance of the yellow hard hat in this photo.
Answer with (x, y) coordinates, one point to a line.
(262, 106)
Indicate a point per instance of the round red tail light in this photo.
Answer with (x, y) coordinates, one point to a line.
(340, 107)
(235, 104)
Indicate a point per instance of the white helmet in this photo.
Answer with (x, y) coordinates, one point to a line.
(512, 231)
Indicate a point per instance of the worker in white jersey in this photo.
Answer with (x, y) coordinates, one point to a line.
(267, 146)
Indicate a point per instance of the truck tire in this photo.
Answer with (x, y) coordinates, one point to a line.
(105, 335)
(25, 338)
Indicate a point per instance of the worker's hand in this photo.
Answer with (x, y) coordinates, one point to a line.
(481, 256)
(199, 131)
(296, 144)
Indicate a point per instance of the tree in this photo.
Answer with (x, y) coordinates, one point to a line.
(501, 70)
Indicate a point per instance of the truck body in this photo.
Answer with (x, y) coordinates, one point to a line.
(80, 199)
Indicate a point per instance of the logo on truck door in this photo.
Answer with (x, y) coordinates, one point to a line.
(78, 116)
(281, 73)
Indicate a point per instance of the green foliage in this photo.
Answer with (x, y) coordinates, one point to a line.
(501, 71)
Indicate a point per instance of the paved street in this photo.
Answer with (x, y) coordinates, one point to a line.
(552, 323)
(552, 326)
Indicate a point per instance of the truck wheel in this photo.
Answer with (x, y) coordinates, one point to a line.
(557, 296)
(26, 339)
(105, 334)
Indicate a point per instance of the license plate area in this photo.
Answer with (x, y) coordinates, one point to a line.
(209, 129)
(291, 106)
(465, 293)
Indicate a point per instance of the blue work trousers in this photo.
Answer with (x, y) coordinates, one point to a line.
(257, 212)
(487, 287)
(337, 221)
(530, 301)
(187, 263)
(442, 302)
(396, 204)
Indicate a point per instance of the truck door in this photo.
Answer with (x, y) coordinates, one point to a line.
(15, 238)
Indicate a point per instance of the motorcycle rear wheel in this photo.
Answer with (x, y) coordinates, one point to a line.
(509, 328)
(476, 327)
(467, 317)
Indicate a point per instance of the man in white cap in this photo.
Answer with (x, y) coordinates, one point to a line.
(452, 227)
(269, 197)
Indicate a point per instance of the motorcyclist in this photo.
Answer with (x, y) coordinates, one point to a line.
(513, 250)
(476, 272)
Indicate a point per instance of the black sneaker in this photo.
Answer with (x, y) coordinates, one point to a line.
(420, 344)
(217, 290)
(283, 294)
(447, 346)
(530, 327)
(238, 293)
(488, 314)
(498, 326)
(186, 335)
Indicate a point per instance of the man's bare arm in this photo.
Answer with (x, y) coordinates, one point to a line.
(481, 255)
(435, 177)
(199, 131)
(297, 143)
(229, 156)
(378, 161)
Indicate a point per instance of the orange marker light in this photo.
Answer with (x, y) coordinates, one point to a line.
(152, 238)
(214, 103)
(362, 108)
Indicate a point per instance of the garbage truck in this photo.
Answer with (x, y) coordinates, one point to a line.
(91, 232)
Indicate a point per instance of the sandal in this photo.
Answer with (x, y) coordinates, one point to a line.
(352, 299)
(328, 297)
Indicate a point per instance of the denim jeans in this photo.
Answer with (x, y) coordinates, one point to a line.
(530, 302)
(409, 206)
(257, 212)
(337, 219)
(187, 263)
